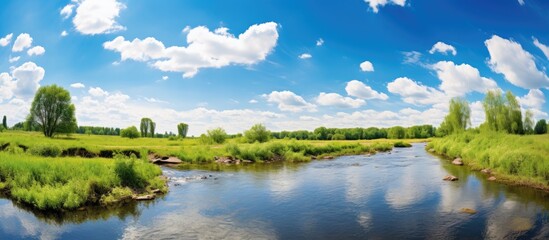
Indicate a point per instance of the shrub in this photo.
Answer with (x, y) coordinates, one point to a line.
(338, 136)
(124, 168)
(218, 135)
(130, 132)
(401, 144)
(258, 133)
(45, 150)
(541, 127)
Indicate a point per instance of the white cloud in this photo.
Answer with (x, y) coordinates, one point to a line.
(320, 42)
(534, 99)
(521, 2)
(97, 92)
(23, 82)
(165, 78)
(14, 59)
(416, 93)
(443, 48)
(516, 64)
(411, 57)
(458, 80)
(205, 49)
(36, 51)
(154, 100)
(78, 85)
(64, 33)
(22, 42)
(6, 86)
(367, 66)
(96, 17)
(336, 100)
(253, 101)
(375, 4)
(360, 90)
(66, 12)
(6, 40)
(544, 48)
(289, 101)
(305, 56)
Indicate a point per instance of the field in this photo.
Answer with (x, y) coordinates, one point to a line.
(514, 159)
(71, 172)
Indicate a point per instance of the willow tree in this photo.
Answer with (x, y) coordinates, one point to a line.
(147, 127)
(182, 130)
(502, 113)
(52, 111)
(458, 118)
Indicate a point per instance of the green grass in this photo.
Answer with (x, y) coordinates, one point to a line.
(69, 183)
(522, 160)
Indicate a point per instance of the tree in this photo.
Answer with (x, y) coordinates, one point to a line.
(258, 133)
(397, 132)
(130, 132)
(529, 122)
(503, 113)
(321, 133)
(541, 127)
(147, 127)
(182, 130)
(5, 122)
(52, 111)
(217, 135)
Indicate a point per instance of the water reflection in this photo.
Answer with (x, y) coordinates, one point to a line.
(389, 195)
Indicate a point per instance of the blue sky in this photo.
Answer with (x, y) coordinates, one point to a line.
(287, 64)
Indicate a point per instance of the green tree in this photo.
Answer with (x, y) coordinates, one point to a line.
(5, 122)
(321, 133)
(52, 111)
(182, 129)
(541, 127)
(397, 132)
(147, 127)
(130, 132)
(217, 135)
(529, 122)
(258, 133)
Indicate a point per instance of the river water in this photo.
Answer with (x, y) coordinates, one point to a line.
(393, 195)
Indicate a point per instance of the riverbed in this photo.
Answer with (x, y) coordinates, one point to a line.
(392, 195)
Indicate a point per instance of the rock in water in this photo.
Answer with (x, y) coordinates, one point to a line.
(450, 178)
(486, 171)
(144, 197)
(492, 178)
(457, 161)
(521, 224)
(468, 210)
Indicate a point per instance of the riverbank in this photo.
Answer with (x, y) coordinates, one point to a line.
(511, 159)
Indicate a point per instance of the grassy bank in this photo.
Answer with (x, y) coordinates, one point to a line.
(515, 159)
(69, 183)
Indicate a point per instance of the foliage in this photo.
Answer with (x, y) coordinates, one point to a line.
(258, 133)
(401, 144)
(458, 118)
(323, 133)
(98, 130)
(182, 130)
(541, 127)
(397, 132)
(529, 122)
(502, 113)
(5, 122)
(52, 111)
(217, 135)
(147, 127)
(130, 132)
(45, 150)
(338, 136)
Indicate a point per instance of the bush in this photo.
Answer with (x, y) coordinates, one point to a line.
(130, 132)
(45, 150)
(338, 136)
(401, 144)
(541, 127)
(125, 170)
(217, 135)
(258, 133)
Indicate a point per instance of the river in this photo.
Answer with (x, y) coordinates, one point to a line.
(394, 195)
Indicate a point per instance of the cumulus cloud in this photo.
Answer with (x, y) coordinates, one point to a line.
(154, 100)
(6, 40)
(205, 49)
(415, 93)
(458, 80)
(360, 90)
(289, 101)
(367, 66)
(544, 48)
(534, 99)
(253, 101)
(78, 85)
(6, 86)
(14, 59)
(36, 51)
(64, 33)
(320, 42)
(443, 48)
(516, 64)
(375, 4)
(22, 42)
(165, 78)
(28, 77)
(336, 100)
(411, 57)
(98, 92)
(95, 17)
(305, 56)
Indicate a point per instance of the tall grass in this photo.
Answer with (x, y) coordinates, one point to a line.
(68, 183)
(520, 158)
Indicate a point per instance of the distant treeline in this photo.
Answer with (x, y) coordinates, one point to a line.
(323, 133)
(91, 130)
